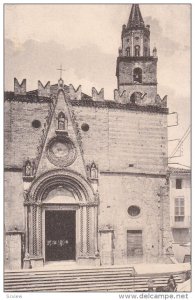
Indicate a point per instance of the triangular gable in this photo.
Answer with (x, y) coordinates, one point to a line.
(61, 149)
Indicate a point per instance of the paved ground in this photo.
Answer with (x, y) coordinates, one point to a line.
(161, 268)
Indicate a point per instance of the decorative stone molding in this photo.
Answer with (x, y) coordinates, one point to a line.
(61, 151)
(51, 179)
(29, 170)
(92, 171)
(62, 121)
(77, 130)
(60, 83)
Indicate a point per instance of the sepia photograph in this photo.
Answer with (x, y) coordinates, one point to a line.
(97, 148)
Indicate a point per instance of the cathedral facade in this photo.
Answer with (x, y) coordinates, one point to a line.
(86, 177)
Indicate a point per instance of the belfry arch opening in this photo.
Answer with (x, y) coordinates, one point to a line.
(137, 50)
(137, 75)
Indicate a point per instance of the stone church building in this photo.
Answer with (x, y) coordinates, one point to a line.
(86, 177)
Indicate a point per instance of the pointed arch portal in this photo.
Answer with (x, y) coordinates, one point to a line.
(61, 218)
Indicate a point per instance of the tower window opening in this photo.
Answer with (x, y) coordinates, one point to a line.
(128, 51)
(137, 75)
(137, 50)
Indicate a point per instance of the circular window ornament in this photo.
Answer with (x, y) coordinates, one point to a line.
(61, 151)
(85, 127)
(36, 124)
(134, 210)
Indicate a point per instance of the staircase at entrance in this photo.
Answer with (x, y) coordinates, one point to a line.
(118, 279)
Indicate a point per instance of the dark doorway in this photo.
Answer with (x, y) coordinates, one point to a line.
(59, 235)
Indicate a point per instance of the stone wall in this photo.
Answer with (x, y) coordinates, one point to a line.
(126, 145)
(124, 141)
(149, 69)
(21, 138)
(149, 78)
(117, 193)
(13, 250)
(115, 139)
(13, 201)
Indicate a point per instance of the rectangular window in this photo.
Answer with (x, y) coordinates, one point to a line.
(178, 183)
(134, 243)
(179, 209)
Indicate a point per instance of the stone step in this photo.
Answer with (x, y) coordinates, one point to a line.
(95, 287)
(70, 269)
(79, 280)
(83, 278)
(85, 286)
(49, 272)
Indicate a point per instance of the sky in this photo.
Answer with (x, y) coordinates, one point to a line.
(85, 38)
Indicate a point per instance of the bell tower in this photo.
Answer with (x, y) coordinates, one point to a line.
(136, 69)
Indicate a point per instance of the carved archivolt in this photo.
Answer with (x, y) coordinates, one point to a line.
(52, 179)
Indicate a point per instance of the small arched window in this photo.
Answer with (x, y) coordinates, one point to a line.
(128, 51)
(137, 50)
(62, 121)
(137, 75)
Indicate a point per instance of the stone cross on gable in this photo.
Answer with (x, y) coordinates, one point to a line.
(61, 70)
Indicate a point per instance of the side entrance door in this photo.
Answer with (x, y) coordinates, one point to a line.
(134, 246)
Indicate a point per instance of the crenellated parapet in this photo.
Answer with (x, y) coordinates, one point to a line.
(120, 97)
(133, 97)
(97, 96)
(139, 99)
(75, 94)
(44, 91)
(161, 102)
(19, 89)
